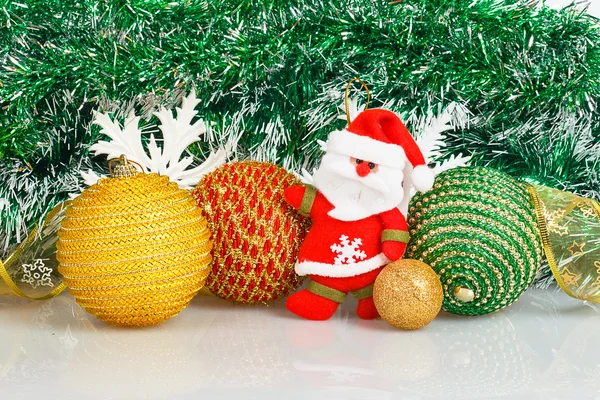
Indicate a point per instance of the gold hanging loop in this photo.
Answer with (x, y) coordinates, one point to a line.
(346, 99)
(124, 168)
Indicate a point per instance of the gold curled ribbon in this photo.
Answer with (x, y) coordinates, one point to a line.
(346, 98)
(5, 266)
(570, 231)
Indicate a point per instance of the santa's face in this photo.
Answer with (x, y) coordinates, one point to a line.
(358, 188)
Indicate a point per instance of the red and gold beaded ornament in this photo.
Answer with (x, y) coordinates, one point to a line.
(256, 234)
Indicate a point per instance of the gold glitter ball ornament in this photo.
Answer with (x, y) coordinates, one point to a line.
(256, 234)
(408, 294)
(134, 250)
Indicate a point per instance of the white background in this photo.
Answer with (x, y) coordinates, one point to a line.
(593, 5)
(543, 347)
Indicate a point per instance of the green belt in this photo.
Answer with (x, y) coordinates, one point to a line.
(310, 194)
(337, 295)
(395, 235)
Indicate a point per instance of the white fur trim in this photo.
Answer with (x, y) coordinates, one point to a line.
(366, 148)
(341, 270)
(422, 178)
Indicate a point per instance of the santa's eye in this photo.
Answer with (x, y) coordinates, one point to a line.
(371, 165)
(358, 161)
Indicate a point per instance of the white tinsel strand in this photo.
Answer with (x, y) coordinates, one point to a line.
(30, 191)
(25, 195)
(552, 143)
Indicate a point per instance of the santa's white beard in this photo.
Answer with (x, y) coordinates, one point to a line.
(353, 197)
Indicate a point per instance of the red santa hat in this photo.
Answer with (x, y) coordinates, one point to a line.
(379, 136)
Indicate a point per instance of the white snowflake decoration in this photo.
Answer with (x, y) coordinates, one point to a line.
(431, 139)
(178, 133)
(37, 274)
(348, 253)
(89, 178)
(306, 177)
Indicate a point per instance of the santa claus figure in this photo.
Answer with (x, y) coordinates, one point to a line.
(357, 226)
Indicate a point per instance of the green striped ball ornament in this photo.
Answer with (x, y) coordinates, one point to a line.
(477, 229)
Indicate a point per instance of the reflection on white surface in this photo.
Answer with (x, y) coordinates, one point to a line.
(544, 346)
(592, 6)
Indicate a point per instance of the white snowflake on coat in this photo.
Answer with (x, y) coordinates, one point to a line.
(348, 253)
(37, 274)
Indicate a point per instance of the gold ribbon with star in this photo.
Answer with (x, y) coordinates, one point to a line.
(570, 231)
(31, 269)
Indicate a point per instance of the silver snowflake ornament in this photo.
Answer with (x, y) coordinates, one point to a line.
(37, 274)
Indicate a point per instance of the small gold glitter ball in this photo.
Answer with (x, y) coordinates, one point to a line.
(134, 250)
(408, 294)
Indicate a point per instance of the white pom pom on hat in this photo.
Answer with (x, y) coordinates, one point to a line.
(422, 178)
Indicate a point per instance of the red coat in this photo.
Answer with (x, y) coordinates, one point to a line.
(339, 249)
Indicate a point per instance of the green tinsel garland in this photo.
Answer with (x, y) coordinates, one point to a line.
(271, 75)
